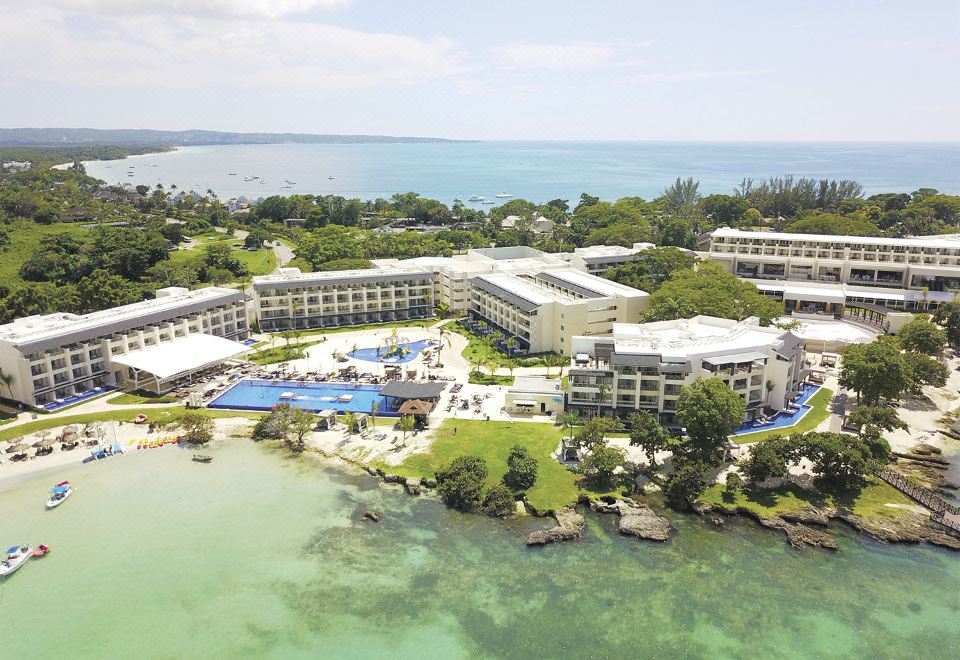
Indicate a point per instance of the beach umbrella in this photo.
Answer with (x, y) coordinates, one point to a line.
(47, 442)
(12, 449)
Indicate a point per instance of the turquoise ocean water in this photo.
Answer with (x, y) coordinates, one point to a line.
(538, 171)
(259, 555)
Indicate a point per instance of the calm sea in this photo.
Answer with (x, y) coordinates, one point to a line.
(538, 171)
(258, 555)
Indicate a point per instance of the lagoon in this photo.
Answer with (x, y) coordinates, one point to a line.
(263, 555)
(538, 171)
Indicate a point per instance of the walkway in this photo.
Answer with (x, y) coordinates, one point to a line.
(942, 512)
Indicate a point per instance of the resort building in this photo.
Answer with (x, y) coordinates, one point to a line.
(598, 259)
(823, 274)
(534, 395)
(645, 366)
(59, 356)
(290, 299)
(542, 300)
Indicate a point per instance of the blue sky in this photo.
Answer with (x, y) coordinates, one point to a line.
(527, 69)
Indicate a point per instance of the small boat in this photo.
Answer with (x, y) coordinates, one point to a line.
(17, 556)
(330, 177)
(140, 419)
(488, 201)
(59, 494)
(503, 195)
(41, 551)
(231, 174)
(475, 198)
(246, 178)
(292, 183)
(202, 458)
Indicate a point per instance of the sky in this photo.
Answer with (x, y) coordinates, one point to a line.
(838, 70)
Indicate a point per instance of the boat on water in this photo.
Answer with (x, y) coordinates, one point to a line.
(330, 177)
(284, 187)
(16, 556)
(41, 550)
(59, 494)
(231, 174)
(503, 195)
(202, 458)
(292, 183)
(475, 198)
(488, 201)
(247, 178)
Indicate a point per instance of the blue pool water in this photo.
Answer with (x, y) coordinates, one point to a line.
(76, 398)
(376, 354)
(265, 394)
(781, 419)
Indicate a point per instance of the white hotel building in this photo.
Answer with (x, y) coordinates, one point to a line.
(541, 299)
(816, 273)
(56, 356)
(645, 366)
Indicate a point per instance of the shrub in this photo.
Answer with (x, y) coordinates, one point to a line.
(522, 469)
(687, 484)
(460, 484)
(499, 501)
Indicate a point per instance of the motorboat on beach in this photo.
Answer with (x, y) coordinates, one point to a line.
(202, 458)
(16, 556)
(59, 494)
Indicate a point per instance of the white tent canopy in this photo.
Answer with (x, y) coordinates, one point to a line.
(181, 356)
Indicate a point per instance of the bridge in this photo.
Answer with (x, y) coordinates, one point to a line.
(941, 511)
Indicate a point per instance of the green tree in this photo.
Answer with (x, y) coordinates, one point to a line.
(350, 419)
(521, 469)
(197, 428)
(686, 484)
(601, 463)
(873, 420)
(953, 329)
(768, 458)
(649, 269)
(732, 485)
(406, 425)
(301, 423)
(712, 291)
(646, 433)
(592, 432)
(710, 411)
(570, 420)
(924, 370)
(460, 484)
(499, 501)
(838, 460)
(101, 290)
(875, 370)
(922, 337)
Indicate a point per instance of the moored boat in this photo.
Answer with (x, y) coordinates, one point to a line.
(202, 458)
(16, 556)
(59, 493)
(503, 195)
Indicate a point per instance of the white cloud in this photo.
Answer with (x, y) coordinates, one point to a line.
(190, 53)
(556, 57)
(263, 9)
(679, 76)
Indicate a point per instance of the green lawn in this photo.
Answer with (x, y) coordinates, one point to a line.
(411, 323)
(280, 353)
(164, 415)
(556, 486)
(871, 503)
(25, 237)
(140, 396)
(819, 404)
(493, 357)
(260, 262)
(479, 378)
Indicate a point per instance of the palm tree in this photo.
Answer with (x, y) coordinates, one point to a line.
(374, 409)
(570, 421)
(7, 381)
(406, 424)
(511, 343)
(443, 310)
(444, 336)
(926, 292)
(511, 364)
(602, 391)
(554, 360)
(350, 419)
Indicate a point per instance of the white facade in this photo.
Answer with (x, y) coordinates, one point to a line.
(645, 366)
(54, 356)
(898, 270)
(294, 300)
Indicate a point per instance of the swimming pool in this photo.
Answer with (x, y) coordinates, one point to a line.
(781, 419)
(253, 394)
(377, 354)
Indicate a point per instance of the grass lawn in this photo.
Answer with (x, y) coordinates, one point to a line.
(280, 353)
(411, 323)
(164, 415)
(140, 396)
(25, 237)
(260, 262)
(478, 378)
(870, 503)
(556, 486)
(819, 404)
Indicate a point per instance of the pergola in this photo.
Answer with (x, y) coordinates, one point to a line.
(161, 367)
(328, 418)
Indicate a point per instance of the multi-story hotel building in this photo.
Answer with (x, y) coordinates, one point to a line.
(56, 356)
(294, 300)
(815, 273)
(540, 299)
(645, 366)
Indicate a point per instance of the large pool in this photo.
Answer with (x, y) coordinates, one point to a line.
(782, 419)
(255, 394)
(378, 354)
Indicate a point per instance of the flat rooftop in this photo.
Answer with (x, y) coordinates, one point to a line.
(52, 330)
(701, 335)
(536, 384)
(525, 293)
(289, 279)
(585, 281)
(928, 242)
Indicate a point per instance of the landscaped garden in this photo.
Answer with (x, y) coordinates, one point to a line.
(819, 410)
(140, 397)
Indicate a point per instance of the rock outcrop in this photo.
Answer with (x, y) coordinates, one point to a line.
(636, 520)
(569, 527)
(412, 485)
(371, 515)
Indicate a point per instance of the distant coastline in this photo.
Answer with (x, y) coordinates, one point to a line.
(73, 137)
